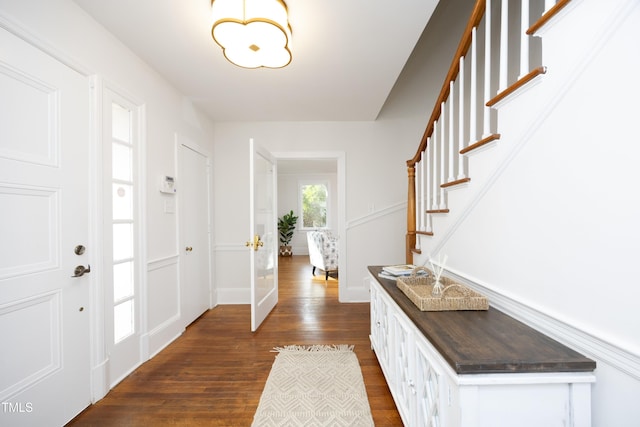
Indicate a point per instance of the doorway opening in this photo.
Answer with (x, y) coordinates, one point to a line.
(297, 169)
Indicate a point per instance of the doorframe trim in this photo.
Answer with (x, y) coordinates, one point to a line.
(340, 157)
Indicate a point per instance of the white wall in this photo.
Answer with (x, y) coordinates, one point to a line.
(549, 223)
(288, 188)
(63, 28)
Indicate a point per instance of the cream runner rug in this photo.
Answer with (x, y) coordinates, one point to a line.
(314, 386)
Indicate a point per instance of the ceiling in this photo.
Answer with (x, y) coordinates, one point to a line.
(347, 55)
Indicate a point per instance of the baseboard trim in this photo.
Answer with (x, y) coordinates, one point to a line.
(234, 296)
(163, 335)
(99, 383)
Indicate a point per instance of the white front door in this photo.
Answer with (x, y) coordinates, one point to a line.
(193, 184)
(263, 232)
(44, 311)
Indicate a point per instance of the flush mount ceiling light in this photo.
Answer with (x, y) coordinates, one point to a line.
(252, 33)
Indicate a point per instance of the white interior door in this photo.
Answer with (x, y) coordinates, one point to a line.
(193, 177)
(44, 311)
(263, 232)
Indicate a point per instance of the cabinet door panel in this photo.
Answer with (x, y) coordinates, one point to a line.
(403, 358)
(430, 388)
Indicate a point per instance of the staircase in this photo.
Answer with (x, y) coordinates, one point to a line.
(498, 58)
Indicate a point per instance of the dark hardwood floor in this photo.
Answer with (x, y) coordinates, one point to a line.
(213, 375)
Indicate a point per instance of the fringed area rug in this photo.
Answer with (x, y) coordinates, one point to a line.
(314, 386)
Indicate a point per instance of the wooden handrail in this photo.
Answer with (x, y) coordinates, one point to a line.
(454, 69)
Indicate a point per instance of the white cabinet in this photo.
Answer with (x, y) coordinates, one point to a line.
(430, 393)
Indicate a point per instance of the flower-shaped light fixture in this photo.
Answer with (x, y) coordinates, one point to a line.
(252, 33)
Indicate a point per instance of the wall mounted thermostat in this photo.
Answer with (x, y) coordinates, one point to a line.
(168, 185)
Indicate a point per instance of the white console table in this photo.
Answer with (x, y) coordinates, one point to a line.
(474, 368)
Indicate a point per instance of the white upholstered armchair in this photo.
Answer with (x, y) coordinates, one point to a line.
(323, 251)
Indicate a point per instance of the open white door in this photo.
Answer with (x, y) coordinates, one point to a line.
(44, 200)
(263, 232)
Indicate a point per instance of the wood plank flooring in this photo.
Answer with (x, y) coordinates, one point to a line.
(213, 375)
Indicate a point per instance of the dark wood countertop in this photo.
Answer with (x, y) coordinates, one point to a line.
(482, 342)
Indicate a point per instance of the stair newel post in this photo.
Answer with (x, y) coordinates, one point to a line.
(411, 212)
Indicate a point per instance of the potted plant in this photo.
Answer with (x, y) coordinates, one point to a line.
(286, 226)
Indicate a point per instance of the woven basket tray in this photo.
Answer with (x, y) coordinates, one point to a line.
(454, 296)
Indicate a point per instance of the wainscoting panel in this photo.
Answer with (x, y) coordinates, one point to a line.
(29, 230)
(233, 284)
(29, 366)
(36, 140)
(163, 302)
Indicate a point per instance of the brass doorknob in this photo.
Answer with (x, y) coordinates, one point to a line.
(188, 249)
(256, 243)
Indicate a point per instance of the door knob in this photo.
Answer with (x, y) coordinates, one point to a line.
(256, 243)
(81, 270)
(188, 249)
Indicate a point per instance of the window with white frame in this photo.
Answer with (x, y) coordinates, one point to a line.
(314, 204)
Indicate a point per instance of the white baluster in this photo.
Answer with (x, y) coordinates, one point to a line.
(443, 155)
(473, 89)
(524, 39)
(452, 140)
(548, 4)
(461, 121)
(504, 46)
(434, 168)
(418, 179)
(421, 209)
(486, 124)
(429, 194)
